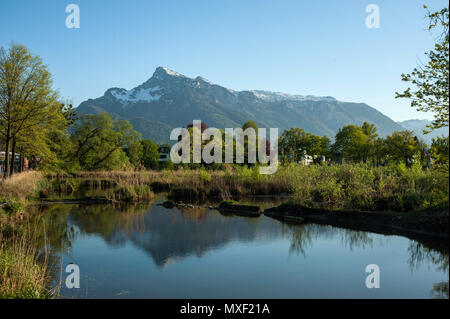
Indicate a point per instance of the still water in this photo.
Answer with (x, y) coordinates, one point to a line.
(154, 252)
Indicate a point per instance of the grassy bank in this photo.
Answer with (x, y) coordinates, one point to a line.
(17, 191)
(24, 272)
(357, 187)
(23, 267)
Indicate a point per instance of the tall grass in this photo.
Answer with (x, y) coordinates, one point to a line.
(21, 186)
(347, 186)
(24, 272)
(17, 190)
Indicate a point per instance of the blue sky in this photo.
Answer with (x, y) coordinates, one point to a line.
(300, 47)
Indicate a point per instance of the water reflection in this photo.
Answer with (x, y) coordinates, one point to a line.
(440, 290)
(303, 236)
(170, 235)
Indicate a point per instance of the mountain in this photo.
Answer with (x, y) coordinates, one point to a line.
(417, 126)
(169, 99)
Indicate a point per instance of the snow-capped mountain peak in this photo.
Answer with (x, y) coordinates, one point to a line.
(169, 99)
(139, 94)
(279, 96)
(163, 71)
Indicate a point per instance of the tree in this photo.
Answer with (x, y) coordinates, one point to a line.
(48, 144)
(150, 154)
(317, 146)
(356, 143)
(99, 140)
(401, 146)
(431, 80)
(135, 152)
(440, 150)
(379, 152)
(351, 144)
(293, 145)
(370, 130)
(250, 144)
(251, 124)
(28, 104)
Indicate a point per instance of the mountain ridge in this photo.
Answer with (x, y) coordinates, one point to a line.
(419, 125)
(170, 99)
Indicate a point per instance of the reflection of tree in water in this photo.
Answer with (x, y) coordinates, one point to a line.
(167, 235)
(106, 220)
(419, 253)
(440, 290)
(173, 234)
(54, 234)
(437, 256)
(356, 239)
(51, 234)
(302, 236)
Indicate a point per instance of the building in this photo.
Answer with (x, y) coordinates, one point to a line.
(305, 159)
(164, 153)
(20, 163)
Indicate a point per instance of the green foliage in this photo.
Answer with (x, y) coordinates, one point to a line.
(150, 155)
(440, 151)
(431, 80)
(99, 141)
(33, 121)
(13, 206)
(251, 124)
(295, 143)
(29, 288)
(203, 175)
(135, 153)
(402, 146)
(23, 265)
(129, 193)
(355, 143)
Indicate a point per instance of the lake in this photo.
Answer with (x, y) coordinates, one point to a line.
(148, 251)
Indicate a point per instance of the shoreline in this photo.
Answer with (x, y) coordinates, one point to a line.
(432, 224)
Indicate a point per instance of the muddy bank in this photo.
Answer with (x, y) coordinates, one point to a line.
(433, 223)
(239, 210)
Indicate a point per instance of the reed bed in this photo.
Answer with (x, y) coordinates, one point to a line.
(346, 186)
(24, 268)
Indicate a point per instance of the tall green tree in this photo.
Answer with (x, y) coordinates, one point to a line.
(99, 140)
(249, 144)
(356, 143)
(351, 144)
(379, 152)
(295, 143)
(440, 150)
(135, 152)
(317, 146)
(28, 104)
(401, 146)
(150, 154)
(430, 80)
